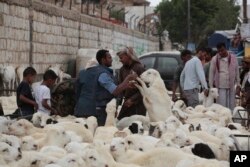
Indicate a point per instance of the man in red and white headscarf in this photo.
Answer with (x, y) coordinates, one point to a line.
(133, 104)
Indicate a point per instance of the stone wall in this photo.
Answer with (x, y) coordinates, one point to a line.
(40, 34)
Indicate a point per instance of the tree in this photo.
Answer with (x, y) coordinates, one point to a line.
(206, 17)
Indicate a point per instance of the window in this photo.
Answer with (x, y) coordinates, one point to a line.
(148, 62)
(167, 64)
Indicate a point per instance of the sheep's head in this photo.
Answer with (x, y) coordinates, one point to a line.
(28, 143)
(8, 153)
(20, 127)
(150, 76)
(58, 136)
(11, 140)
(181, 138)
(118, 144)
(81, 121)
(136, 127)
(4, 125)
(95, 159)
(213, 92)
(180, 104)
(71, 160)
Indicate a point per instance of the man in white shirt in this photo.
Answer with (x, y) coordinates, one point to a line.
(191, 77)
(42, 92)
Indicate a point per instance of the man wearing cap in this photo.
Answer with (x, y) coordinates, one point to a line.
(224, 75)
(245, 87)
(133, 104)
(97, 88)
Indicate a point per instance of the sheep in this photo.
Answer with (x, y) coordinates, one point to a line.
(106, 132)
(92, 124)
(34, 158)
(209, 100)
(53, 151)
(79, 129)
(28, 143)
(120, 152)
(55, 136)
(136, 127)
(4, 125)
(72, 160)
(155, 97)
(126, 121)
(99, 157)
(170, 155)
(13, 141)
(9, 104)
(40, 119)
(59, 72)
(8, 76)
(240, 112)
(23, 127)
(8, 153)
(19, 73)
(180, 104)
(77, 148)
(140, 142)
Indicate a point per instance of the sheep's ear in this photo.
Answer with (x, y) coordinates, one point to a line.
(198, 127)
(191, 128)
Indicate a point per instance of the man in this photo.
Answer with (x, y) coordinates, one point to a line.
(191, 77)
(224, 75)
(208, 57)
(133, 103)
(246, 84)
(176, 83)
(98, 88)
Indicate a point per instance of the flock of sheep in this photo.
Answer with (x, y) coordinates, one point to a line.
(171, 135)
(11, 76)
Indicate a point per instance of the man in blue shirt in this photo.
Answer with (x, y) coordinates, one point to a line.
(97, 87)
(191, 77)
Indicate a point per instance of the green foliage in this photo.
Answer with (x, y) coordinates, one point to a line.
(117, 14)
(206, 17)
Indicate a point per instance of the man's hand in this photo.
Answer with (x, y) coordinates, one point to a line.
(131, 77)
(35, 105)
(174, 97)
(206, 92)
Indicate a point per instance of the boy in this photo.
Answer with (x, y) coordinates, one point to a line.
(25, 100)
(42, 92)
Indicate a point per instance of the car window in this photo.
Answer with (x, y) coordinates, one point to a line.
(148, 62)
(167, 64)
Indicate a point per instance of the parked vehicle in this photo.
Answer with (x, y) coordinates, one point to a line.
(163, 61)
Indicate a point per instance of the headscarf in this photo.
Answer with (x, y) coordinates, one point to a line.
(130, 52)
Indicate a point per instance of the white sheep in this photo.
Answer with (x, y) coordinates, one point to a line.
(209, 100)
(72, 160)
(79, 129)
(120, 152)
(126, 121)
(13, 141)
(8, 153)
(55, 136)
(19, 73)
(59, 72)
(8, 76)
(4, 124)
(23, 127)
(155, 97)
(140, 142)
(28, 143)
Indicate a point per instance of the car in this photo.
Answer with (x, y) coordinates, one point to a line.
(163, 61)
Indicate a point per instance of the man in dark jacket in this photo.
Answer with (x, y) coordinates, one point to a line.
(133, 103)
(97, 88)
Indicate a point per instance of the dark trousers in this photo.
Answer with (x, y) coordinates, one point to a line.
(101, 115)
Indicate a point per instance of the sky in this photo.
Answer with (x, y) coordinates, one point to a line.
(154, 2)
